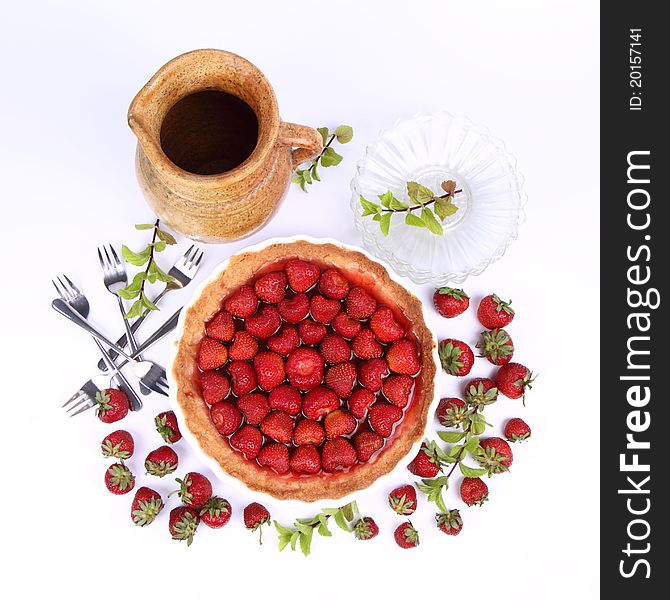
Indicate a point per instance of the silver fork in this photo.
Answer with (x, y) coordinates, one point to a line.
(115, 278)
(69, 292)
(182, 273)
(149, 373)
(86, 393)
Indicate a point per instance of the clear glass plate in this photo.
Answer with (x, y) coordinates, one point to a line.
(430, 149)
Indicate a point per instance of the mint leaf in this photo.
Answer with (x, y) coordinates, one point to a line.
(324, 134)
(418, 194)
(470, 472)
(341, 521)
(343, 134)
(369, 208)
(451, 437)
(472, 445)
(431, 222)
(306, 541)
(444, 208)
(386, 198)
(330, 158)
(142, 226)
(136, 309)
(398, 205)
(412, 219)
(135, 258)
(314, 174)
(385, 223)
(166, 237)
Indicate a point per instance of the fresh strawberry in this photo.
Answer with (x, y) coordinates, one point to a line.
(221, 327)
(360, 401)
(285, 397)
(333, 284)
(244, 346)
(451, 412)
(359, 304)
(337, 454)
(112, 406)
(306, 459)
(480, 391)
(449, 522)
(495, 455)
(301, 275)
(427, 463)
(275, 456)
(264, 323)
(285, 341)
(406, 536)
(450, 302)
(365, 345)
(474, 491)
(308, 431)
(161, 462)
(278, 426)
(365, 529)
(293, 310)
(311, 332)
(216, 512)
(339, 422)
(397, 389)
(212, 354)
(118, 444)
(183, 524)
(497, 346)
(383, 416)
(167, 427)
(304, 368)
(341, 379)
(371, 373)
(319, 402)
(242, 303)
(384, 325)
(194, 490)
(255, 516)
(247, 440)
(323, 309)
(255, 407)
(344, 325)
(517, 430)
(119, 479)
(242, 377)
(456, 357)
(226, 417)
(215, 387)
(271, 288)
(334, 349)
(493, 312)
(402, 357)
(366, 444)
(513, 379)
(146, 505)
(269, 368)
(403, 499)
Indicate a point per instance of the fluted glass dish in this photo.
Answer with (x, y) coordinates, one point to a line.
(430, 149)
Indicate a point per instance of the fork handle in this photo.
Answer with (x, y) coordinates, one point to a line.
(64, 309)
(123, 340)
(122, 382)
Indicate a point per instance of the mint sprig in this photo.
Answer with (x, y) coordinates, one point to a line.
(302, 532)
(160, 240)
(421, 199)
(343, 134)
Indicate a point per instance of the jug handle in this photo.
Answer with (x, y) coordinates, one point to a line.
(306, 140)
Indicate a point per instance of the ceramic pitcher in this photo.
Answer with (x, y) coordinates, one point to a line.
(214, 159)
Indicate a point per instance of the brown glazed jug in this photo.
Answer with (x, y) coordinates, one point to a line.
(214, 159)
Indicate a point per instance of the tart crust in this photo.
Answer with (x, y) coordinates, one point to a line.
(361, 270)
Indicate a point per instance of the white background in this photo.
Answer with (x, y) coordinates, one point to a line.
(528, 70)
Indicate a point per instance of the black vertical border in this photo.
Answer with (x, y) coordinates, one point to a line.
(626, 253)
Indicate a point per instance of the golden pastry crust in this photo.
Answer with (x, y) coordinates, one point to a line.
(241, 269)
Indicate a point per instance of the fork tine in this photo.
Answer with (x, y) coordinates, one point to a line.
(116, 258)
(197, 262)
(81, 410)
(72, 285)
(69, 294)
(76, 395)
(84, 398)
(186, 257)
(102, 260)
(60, 293)
(109, 260)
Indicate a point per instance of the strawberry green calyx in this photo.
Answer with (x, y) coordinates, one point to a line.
(110, 450)
(434, 453)
(455, 293)
(410, 534)
(104, 403)
(215, 507)
(159, 469)
(147, 511)
(454, 415)
(164, 429)
(402, 505)
(477, 394)
(184, 528)
(450, 521)
(496, 345)
(519, 438)
(121, 477)
(492, 461)
(501, 305)
(450, 358)
(525, 383)
(183, 491)
(365, 529)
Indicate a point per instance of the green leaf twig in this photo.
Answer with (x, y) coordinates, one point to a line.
(302, 532)
(152, 273)
(343, 134)
(434, 208)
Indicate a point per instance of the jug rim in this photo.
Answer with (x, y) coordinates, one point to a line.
(268, 124)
